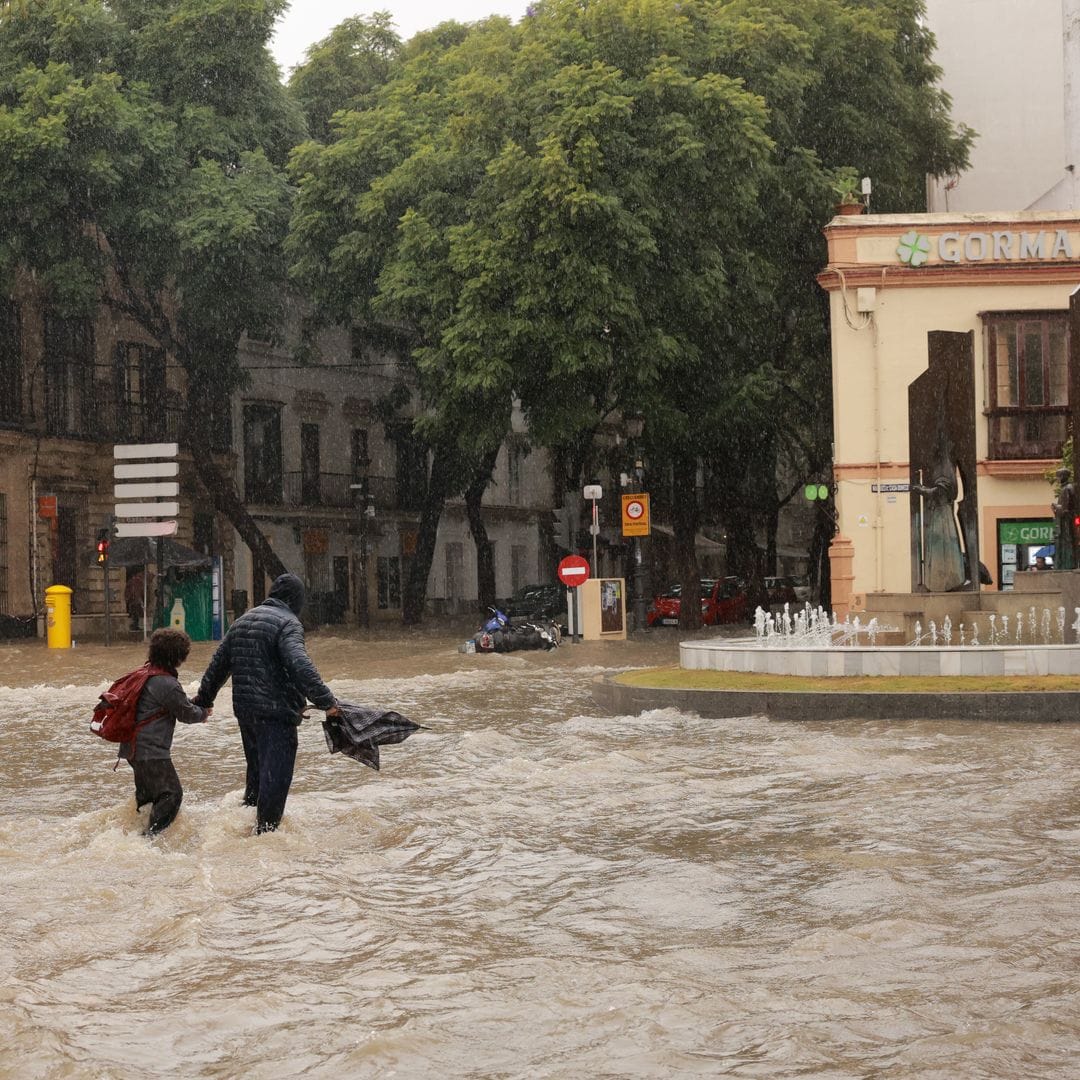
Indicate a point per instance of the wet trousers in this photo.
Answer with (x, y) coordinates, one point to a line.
(157, 784)
(270, 750)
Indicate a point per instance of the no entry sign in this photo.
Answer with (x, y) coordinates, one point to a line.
(573, 571)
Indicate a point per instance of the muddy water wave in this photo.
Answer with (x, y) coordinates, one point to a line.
(529, 889)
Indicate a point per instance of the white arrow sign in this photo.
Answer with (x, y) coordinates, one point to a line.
(166, 490)
(147, 450)
(147, 510)
(146, 528)
(149, 471)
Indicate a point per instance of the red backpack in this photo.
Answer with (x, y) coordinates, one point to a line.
(114, 715)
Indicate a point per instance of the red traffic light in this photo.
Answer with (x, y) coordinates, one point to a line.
(103, 549)
(1076, 520)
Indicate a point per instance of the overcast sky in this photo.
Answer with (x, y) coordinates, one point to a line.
(309, 21)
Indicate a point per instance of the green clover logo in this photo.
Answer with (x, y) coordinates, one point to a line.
(914, 249)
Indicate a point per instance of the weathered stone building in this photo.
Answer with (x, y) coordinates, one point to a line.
(336, 483)
(70, 389)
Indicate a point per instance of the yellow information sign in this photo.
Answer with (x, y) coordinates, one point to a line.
(635, 515)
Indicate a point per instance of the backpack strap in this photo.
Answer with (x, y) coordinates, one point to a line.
(135, 734)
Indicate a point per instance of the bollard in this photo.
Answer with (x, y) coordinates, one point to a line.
(58, 616)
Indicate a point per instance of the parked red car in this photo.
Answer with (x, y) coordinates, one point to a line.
(723, 600)
(781, 591)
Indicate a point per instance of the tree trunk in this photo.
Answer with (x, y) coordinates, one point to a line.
(439, 489)
(221, 487)
(772, 527)
(485, 550)
(744, 557)
(684, 523)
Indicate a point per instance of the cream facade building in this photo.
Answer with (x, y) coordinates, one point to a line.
(892, 279)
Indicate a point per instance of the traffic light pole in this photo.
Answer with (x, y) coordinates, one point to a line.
(108, 603)
(103, 562)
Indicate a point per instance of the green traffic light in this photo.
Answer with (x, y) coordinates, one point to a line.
(822, 492)
(811, 491)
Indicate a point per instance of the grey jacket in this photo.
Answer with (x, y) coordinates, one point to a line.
(154, 741)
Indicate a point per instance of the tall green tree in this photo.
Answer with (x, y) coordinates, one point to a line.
(141, 153)
(849, 85)
(617, 206)
(343, 71)
(513, 199)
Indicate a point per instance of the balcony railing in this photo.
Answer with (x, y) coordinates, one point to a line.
(333, 491)
(104, 421)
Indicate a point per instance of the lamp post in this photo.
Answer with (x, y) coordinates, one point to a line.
(635, 427)
(367, 510)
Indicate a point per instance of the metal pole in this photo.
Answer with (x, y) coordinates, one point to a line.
(363, 612)
(34, 542)
(922, 538)
(639, 587)
(595, 530)
(108, 603)
(640, 621)
(160, 579)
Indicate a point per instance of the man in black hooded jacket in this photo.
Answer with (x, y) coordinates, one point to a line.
(273, 679)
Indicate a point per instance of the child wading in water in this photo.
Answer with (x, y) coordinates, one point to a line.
(156, 781)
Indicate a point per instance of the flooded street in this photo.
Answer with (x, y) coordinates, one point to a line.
(531, 889)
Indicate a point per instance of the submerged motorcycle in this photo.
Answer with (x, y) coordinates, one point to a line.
(498, 634)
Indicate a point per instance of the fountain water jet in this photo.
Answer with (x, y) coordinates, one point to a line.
(814, 643)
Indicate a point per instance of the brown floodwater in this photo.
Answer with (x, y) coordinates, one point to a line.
(532, 889)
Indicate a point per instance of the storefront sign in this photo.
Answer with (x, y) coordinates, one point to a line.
(914, 248)
(1026, 532)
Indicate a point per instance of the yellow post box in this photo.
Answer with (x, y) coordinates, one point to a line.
(58, 616)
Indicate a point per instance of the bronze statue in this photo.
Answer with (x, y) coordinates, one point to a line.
(942, 464)
(943, 556)
(1065, 510)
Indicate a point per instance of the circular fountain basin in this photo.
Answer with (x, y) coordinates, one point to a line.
(879, 660)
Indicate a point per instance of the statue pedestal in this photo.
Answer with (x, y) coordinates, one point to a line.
(842, 575)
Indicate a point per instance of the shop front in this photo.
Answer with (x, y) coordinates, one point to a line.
(1023, 545)
(952, 395)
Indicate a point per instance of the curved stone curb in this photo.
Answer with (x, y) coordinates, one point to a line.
(1027, 707)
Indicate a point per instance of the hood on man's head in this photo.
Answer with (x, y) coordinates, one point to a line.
(289, 588)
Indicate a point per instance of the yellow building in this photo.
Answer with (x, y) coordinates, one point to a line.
(892, 279)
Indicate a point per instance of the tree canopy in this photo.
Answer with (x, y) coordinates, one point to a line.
(609, 207)
(617, 206)
(343, 70)
(141, 153)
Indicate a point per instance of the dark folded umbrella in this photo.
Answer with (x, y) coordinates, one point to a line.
(358, 732)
